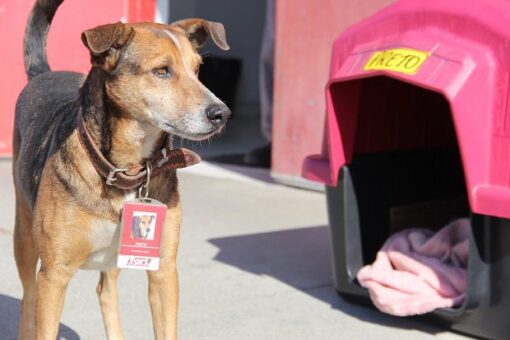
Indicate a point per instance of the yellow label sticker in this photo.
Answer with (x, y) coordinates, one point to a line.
(403, 60)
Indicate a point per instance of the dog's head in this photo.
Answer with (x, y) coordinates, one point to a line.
(152, 74)
(142, 225)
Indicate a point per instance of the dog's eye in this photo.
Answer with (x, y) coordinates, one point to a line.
(162, 72)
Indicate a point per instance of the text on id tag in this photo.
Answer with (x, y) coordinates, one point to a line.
(141, 231)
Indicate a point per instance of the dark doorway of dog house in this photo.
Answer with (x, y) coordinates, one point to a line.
(404, 170)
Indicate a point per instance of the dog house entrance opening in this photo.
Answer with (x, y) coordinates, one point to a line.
(405, 163)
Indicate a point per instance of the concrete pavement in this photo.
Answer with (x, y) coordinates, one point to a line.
(254, 263)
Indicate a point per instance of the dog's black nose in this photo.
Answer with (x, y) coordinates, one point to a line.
(217, 113)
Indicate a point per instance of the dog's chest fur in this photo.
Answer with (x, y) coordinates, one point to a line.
(104, 239)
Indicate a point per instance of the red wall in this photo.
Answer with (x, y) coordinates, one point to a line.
(305, 31)
(65, 50)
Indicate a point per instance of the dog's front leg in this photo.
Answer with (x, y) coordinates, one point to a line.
(164, 300)
(51, 286)
(108, 299)
(164, 283)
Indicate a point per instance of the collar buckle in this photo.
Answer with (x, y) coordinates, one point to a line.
(111, 179)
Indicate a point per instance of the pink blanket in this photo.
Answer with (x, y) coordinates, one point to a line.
(418, 270)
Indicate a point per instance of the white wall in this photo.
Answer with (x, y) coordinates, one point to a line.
(244, 22)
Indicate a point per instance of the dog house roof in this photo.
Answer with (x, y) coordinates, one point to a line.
(456, 49)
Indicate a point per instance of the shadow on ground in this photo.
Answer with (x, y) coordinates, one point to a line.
(301, 258)
(9, 311)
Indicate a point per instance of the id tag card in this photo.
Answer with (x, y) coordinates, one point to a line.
(141, 231)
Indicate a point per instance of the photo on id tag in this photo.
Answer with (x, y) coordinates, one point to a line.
(141, 231)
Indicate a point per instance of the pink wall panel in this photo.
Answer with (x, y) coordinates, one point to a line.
(305, 31)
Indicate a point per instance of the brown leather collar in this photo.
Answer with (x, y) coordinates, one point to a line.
(135, 175)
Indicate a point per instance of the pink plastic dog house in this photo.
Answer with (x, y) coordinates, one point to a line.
(418, 128)
(468, 64)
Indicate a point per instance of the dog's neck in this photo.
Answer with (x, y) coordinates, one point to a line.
(123, 140)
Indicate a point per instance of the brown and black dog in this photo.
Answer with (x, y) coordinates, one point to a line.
(142, 89)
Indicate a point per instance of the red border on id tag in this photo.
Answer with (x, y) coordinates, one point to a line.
(141, 231)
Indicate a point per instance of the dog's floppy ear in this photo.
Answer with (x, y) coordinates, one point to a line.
(104, 43)
(198, 30)
(153, 218)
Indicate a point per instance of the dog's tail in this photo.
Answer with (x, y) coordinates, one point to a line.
(34, 45)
